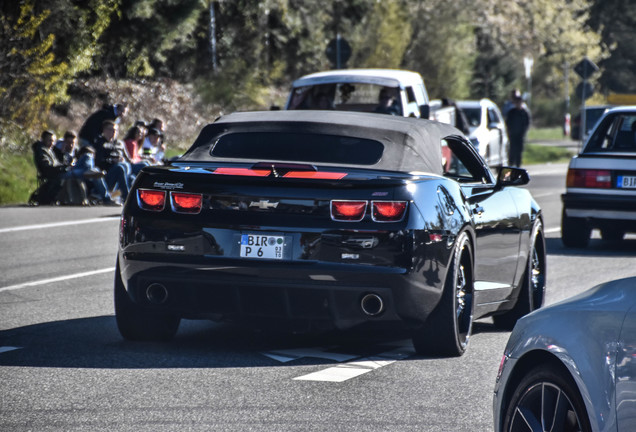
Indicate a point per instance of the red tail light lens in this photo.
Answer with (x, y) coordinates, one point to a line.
(153, 200)
(584, 178)
(186, 202)
(348, 211)
(388, 211)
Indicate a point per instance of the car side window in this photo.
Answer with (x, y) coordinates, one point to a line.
(462, 163)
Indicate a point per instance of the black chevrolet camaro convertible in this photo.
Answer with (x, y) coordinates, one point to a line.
(323, 220)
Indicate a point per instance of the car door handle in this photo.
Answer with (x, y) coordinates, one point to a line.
(478, 210)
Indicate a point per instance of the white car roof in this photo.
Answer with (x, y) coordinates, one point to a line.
(383, 77)
(474, 103)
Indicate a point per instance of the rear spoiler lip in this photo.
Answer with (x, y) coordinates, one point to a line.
(325, 172)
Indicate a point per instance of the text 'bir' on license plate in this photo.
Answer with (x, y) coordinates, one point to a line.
(628, 182)
(262, 246)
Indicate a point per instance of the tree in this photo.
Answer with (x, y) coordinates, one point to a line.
(615, 20)
(442, 46)
(36, 67)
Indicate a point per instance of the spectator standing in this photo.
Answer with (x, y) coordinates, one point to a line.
(109, 157)
(517, 123)
(92, 127)
(510, 102)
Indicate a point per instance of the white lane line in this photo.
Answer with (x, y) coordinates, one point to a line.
(4, 349)
(346, 371)
(552, 230)
(57, 279)
(58, 224)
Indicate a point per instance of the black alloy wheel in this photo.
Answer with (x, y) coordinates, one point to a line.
(575, 232)
(447, 330)
(532, 294)
(546, 399)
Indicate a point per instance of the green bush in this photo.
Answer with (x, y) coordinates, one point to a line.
(18, 177)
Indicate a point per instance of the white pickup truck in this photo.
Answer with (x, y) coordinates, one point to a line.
(364, 90)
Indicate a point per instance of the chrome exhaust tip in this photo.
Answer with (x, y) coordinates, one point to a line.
(372, 305)
(156, 293)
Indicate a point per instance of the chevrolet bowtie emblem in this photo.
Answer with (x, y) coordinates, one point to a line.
(263, 204)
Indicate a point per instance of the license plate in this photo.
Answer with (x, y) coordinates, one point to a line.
(262, 246)
(627, 182)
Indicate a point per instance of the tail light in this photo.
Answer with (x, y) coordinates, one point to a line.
(186, 202)
(153, 200)
(388, 211)
(348, 211)
(584, 178)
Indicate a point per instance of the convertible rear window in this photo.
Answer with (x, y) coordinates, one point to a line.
(305, 147)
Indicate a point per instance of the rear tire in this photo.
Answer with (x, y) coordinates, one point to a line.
(137, 323)
(448, 328)
(546, 397)
(532, 292)
(575, 232)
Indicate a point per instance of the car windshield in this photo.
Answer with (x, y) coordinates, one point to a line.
(615, 133)
(304, 147)
(473, 115)
(359, 97)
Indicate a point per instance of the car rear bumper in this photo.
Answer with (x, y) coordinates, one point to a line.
(598, 208)
(317, 294)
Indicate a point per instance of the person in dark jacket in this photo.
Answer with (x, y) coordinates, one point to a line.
(92, 127)
(109, 157)
(517, 123)
(52, 172)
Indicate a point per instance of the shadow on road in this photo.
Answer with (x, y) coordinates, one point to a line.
(96, 343)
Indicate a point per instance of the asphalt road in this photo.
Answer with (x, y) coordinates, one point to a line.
(64, 367)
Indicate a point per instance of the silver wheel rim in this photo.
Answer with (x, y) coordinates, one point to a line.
(545, 407)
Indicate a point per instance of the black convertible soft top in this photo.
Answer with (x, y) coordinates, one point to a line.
(410, 144)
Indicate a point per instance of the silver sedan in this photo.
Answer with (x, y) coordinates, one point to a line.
(572, 366)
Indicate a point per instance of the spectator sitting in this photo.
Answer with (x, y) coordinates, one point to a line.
(92, 127)
(132, 142)
(64, 148)
(53, 174)
(97, 186)
(153, 150)
(109, 157)
(387, 103)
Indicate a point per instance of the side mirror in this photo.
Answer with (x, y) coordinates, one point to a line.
(510, 176)
(425, 111)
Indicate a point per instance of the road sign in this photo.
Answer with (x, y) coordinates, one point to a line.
(585, 68)
(584, 90)
(338, 51)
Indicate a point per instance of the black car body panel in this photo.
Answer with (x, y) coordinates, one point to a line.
(326, 266)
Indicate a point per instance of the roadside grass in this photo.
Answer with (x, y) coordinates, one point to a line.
(18, 176)
(545, 134)
(536, 154)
